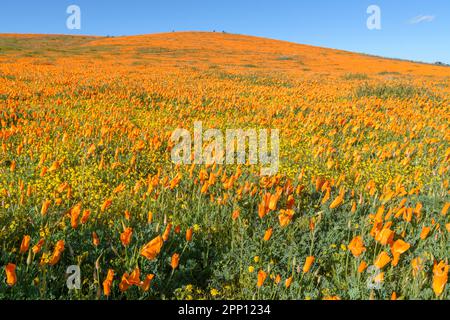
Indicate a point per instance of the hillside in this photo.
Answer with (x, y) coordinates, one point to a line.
(358, 208)
(211, 51)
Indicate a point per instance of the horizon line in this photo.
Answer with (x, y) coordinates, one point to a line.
(436, 63)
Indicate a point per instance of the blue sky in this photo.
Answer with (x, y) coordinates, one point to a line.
(410, 29)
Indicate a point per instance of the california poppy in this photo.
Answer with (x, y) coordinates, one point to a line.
(285, 217)
(385, 236)
(106, 204)
(124, 284)
(145, 285)
(382, 260)
(262, 210)
(440, 277)
(95, 239)
(337, 202)
(74, 214)
(25, 245)
(268, 234)
(356, 246)
(273, 201)
(59, 248)
(36, 248)
(261, 278)
(424, 233)
(45, 206)
(85, 216)
(235, 214)
(125, 236)
(288, 282)
(175, 261)
(189, 234)
(11, 277)
(107, 283)
(135, 277)
(166, 233)
(399, 247)
(152, 249)
(445, 209)
(308, 263)
(362, 266)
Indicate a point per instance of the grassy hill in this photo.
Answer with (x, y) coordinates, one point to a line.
(358, 208)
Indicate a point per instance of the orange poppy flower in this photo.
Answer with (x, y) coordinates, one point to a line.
(119, 188)
(362, 266)
(268, 234)
(108, 283)
(262, 210)
(74, 214)
(285, 217)
(57, 252)
(399, 247)
(175, 261)
(125, 236)
(95, 239)
(445, 209)
(106, 204)
(189, 234)
(290, 202)
(385, 236)
(11, 277)
(124, 285)
(25, 245)
(85, 216)
(166, 233)
(261, 278)
(145, 285)
(45, 206)
(440, 277)
(356, 246)
(235, 214)
(288, 282)
(277, 279)
(425, 232)
(382, 260)
(135, 277)
(337, 202)
(273, 201)
(37, 248)
(308, 263)
(152, 249)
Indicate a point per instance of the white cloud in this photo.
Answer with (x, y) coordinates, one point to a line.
(422, 18)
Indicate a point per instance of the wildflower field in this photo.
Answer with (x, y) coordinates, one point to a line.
(359, 208)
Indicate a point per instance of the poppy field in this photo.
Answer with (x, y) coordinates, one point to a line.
(359, 208)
